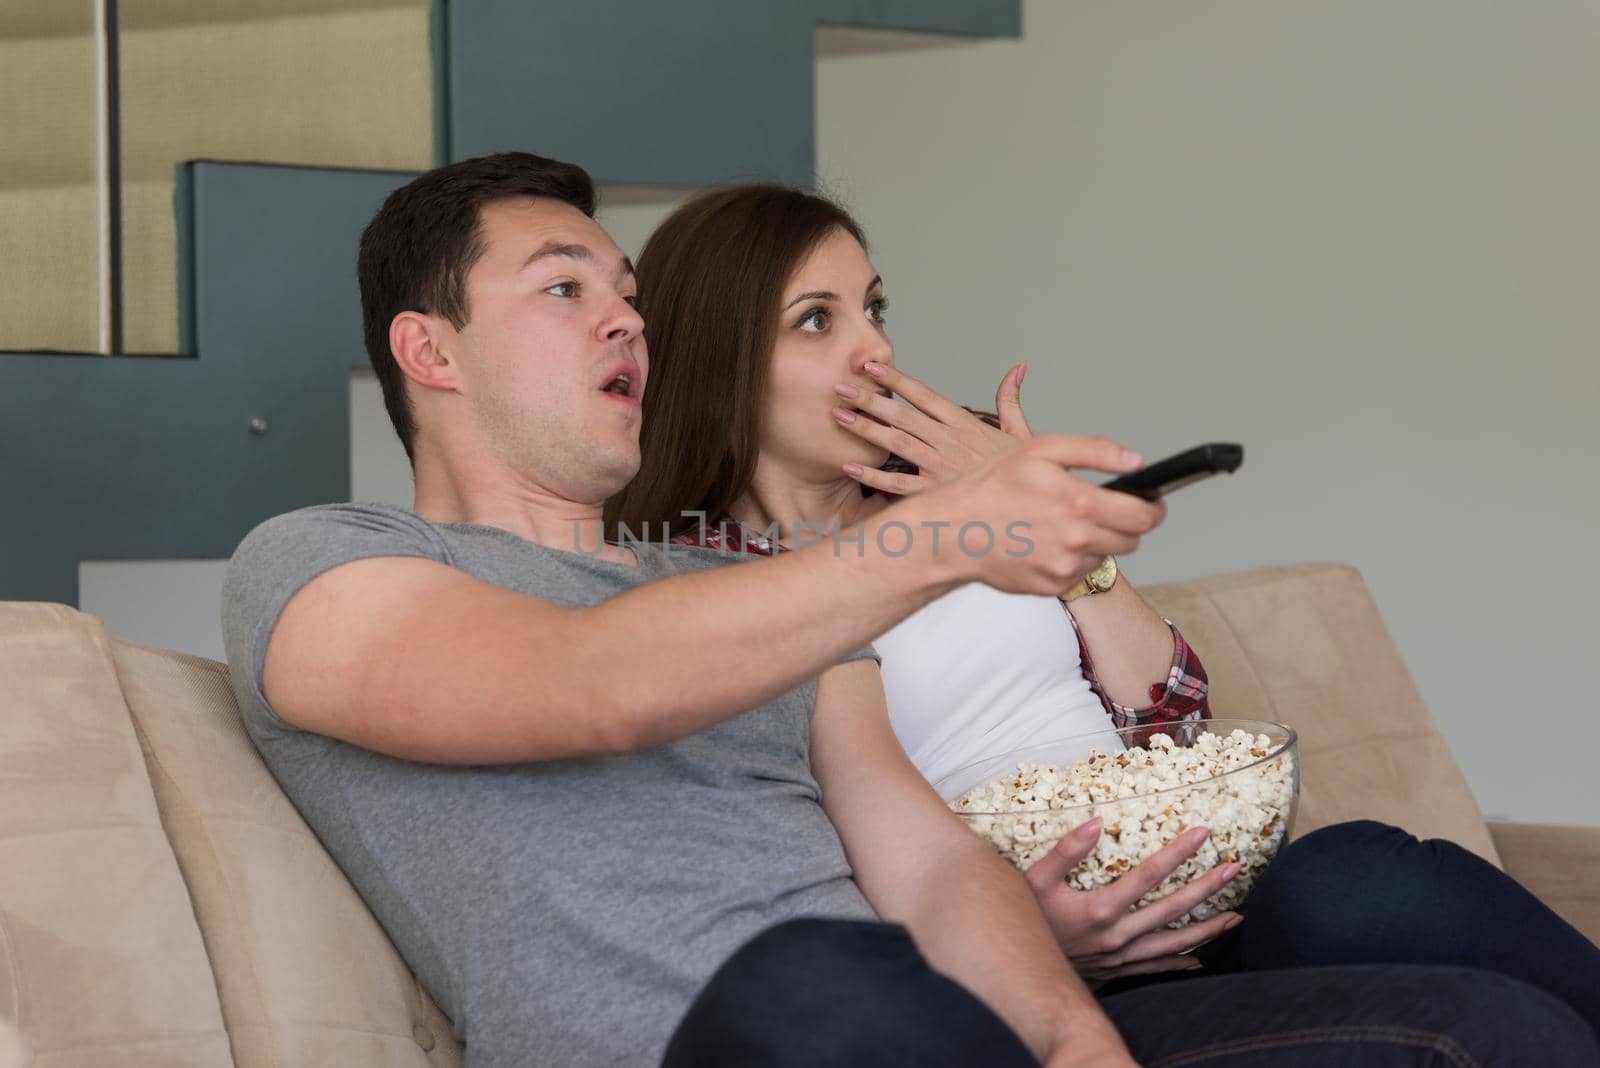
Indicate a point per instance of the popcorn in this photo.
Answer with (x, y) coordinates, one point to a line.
(1139, 793)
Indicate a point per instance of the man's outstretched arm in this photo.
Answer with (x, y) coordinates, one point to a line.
(969, 912)
(415, 659)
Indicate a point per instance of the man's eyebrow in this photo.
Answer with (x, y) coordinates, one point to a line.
(823, 294)
(576, 252)
(557, 248)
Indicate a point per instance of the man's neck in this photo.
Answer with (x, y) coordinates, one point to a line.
(518, 506)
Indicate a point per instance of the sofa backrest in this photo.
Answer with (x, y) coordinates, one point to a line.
(161, 901)
(1304, 645)
(101, 961)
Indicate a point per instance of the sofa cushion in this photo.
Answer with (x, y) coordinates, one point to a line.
(15, 1051)
(1304, 645)
(305, 973)
(101, 961)
(1561, 865)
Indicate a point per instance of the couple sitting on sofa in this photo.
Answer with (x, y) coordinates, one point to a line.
(620, 803)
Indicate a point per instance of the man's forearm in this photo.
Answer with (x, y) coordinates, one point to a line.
(1034, 526)
(416, 659)
(976, 921)
(686, 653)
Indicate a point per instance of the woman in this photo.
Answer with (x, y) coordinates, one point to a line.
(1027, 680)
(769, 407)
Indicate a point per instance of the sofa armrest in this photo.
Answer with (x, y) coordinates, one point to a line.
(15, 1052)
(1559, 864)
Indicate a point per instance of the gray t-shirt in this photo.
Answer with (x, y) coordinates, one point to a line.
(564, 912)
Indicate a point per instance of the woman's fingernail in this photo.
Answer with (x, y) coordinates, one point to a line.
(875, 369)
(1132, 459)
(853, 470)
(1231, 924)
(1090, 829)
(1022, 374)
(844, 416)
(847, 392)
(1229, 872)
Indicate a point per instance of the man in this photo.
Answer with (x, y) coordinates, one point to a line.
(572, 785)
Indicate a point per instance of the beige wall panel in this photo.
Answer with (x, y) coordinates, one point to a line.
(351, 88)
(47, 110)
(49, 269)
(150, 273)
(146, 14)
(49, 209)
(46, 18)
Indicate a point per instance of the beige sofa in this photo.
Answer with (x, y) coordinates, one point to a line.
(161, 902)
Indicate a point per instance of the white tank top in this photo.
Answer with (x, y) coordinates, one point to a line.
(978, 673)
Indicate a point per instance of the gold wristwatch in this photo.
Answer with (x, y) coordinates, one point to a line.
(1099, 580)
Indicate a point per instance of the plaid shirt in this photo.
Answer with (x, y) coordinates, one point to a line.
(1182, 697)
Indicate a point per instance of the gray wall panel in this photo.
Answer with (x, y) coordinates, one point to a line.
(664, 94)
(983, 18)
(153, 457)
(655, 94)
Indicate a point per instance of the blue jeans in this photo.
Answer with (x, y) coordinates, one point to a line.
(848, 994)
(1369, 893)
(1361, 946)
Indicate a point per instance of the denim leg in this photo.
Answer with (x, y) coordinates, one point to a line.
(1372, 1016)
(823, 993)
(1370, 893)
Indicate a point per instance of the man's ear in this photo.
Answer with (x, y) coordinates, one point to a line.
(424, 348)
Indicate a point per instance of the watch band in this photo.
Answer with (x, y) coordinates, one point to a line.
(1099, 580)
(1071, 594)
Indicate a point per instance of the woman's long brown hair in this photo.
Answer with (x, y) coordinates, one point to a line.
(711, 280)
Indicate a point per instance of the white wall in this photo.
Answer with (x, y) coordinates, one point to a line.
(1359, 237)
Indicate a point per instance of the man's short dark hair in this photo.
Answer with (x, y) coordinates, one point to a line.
(416, 252)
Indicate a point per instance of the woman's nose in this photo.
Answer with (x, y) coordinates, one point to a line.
(876, 349)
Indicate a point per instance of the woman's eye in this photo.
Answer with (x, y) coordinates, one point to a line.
(877, 310)
(563, 289)
(814, 321)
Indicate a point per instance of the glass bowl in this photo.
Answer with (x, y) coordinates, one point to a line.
(1238, 777)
